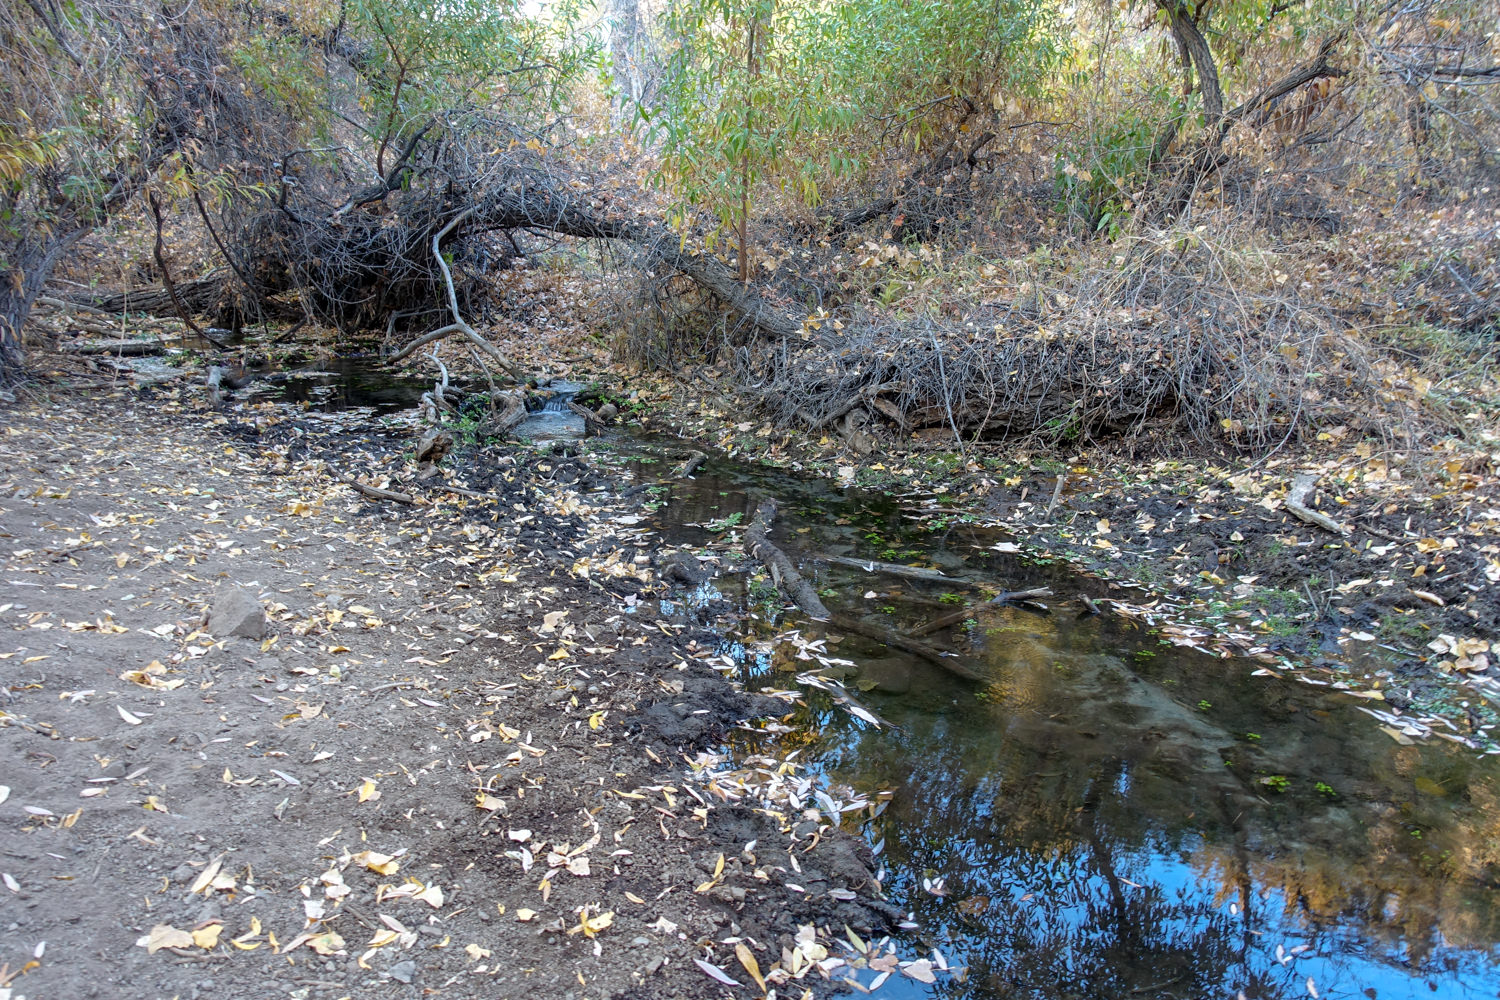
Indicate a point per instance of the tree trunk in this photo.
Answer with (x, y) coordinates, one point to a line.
(32, 259)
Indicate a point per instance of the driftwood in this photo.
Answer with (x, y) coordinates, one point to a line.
(1296, 503)
(958, 616)
(788, 580)
(891, 569)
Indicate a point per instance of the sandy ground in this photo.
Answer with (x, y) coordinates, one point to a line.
(457, 758)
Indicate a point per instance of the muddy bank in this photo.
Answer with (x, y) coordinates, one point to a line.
(1405, 598)
(459, 754)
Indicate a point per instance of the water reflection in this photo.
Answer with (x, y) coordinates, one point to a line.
(1116, 818)
(1167, 825)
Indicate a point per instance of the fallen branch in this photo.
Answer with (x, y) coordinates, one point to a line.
(118, 348)
(958, 616)
(1301, 486)
(788, 580)
(690, 466)
(459, 324)
(940, 658)
(891, 569)
(375, 492)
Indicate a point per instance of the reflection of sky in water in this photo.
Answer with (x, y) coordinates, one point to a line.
(1101, 814)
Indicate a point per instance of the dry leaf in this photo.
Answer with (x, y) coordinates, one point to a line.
(165, 936)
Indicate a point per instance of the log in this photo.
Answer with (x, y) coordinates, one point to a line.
(891, 569)
(1295, 502)
(118, 348)
(958, 616)
(788, 580)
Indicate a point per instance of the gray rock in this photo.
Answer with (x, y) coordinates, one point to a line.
(237, 612)
(403, 972)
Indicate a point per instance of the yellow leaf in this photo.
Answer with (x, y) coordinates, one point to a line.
(367, 791)
(747, 959)
(382, 864)
(719, 867)
(330, 943)
(596, 720)
(561, 654)
(207, 938)
(166, 936)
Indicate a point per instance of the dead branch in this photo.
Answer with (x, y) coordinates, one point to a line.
(938, 657)
(1301, 486)
(459, 324)
(938, 624)
(119, 348)
(375, 492)
(788, 580)
(693, 462)
(890, 569)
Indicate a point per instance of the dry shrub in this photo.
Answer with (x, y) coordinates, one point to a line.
(1210, 338)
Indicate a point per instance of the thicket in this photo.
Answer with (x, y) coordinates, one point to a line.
(962, 218)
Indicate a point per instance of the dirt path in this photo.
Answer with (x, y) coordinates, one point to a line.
(459, 758)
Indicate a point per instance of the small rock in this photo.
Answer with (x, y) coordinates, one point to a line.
(237, 612)
(403, 972)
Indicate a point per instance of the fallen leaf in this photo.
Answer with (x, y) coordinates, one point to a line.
(129, 719)
(207, 937)
(716, 973)
(165, 936)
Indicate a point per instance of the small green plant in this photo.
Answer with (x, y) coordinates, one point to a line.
(1204, 705)
(1324, 788)
(720, 525)
(1276, 782)
(1252, 736)
(951, 598)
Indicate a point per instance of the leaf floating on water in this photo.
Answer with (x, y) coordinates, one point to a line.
(1397, 735)
(920, 970)
(716, 973)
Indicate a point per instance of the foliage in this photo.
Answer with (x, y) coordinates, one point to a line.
(800, 94)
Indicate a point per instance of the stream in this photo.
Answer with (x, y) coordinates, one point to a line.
(1112, 816)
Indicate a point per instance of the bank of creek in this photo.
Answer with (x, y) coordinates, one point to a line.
(1104, 814)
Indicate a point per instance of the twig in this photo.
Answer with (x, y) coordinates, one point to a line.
(1062, 477)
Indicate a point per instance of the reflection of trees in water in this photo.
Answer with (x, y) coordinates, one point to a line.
(1047, 848)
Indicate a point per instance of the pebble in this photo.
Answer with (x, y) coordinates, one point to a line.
(403, 972)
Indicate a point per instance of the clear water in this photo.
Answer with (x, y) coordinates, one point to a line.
(1110, 816)
(1113, 817)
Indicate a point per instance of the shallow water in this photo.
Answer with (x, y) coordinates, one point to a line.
(1113, 816)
